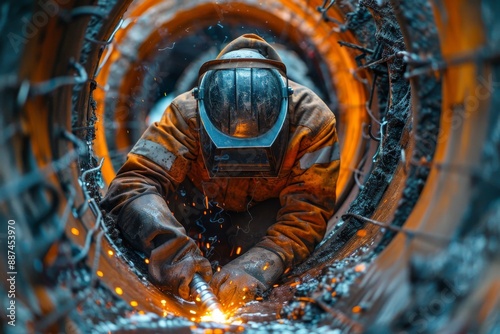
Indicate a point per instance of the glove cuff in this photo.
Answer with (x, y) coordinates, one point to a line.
(146, 221)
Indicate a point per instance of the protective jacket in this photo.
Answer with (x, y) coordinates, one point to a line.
(169, 151)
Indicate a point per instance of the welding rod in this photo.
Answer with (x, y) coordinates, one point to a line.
(204, 296)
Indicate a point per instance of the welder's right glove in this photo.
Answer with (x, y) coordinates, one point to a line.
(246, 277)
(147, 223)
(174, 263)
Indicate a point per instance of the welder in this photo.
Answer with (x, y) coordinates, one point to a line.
(235, 183)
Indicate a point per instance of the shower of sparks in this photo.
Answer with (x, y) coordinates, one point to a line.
(167, 47)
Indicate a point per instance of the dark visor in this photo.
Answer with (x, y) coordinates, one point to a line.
(229, 156)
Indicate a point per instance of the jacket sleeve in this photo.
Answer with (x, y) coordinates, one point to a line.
(309, 197)
(155, 166)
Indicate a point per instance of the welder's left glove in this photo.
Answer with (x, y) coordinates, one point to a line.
(246, 277)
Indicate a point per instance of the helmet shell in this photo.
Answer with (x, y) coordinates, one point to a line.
(243, 107)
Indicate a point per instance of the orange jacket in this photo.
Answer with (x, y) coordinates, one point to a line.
(169, 151)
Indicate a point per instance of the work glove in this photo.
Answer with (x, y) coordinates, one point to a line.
(147, 223)
(173, 265)
(246, 277)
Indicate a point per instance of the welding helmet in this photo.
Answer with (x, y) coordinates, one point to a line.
(243, 110)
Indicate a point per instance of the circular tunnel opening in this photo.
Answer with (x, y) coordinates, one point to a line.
(149, 64)
(159, 47)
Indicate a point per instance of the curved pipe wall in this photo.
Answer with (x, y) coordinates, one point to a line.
(152, 29)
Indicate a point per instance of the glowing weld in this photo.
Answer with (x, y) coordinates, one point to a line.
(215, 316)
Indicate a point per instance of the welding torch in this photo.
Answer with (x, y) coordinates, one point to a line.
(204, 296)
